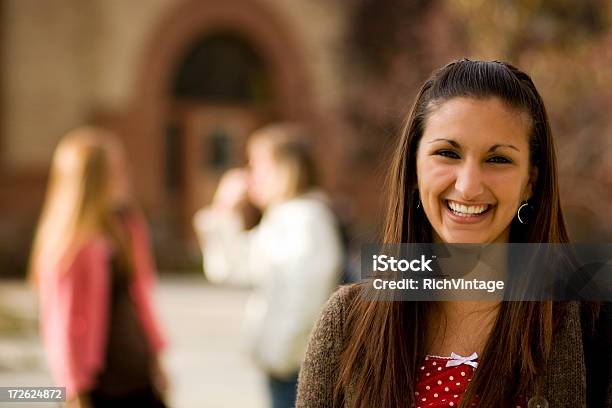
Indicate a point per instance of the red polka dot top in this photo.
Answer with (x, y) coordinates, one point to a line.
(442, 381)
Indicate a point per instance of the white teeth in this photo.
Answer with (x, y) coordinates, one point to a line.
(465, 210)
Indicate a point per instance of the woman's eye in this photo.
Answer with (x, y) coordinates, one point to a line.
(498, 159)
(447, 153)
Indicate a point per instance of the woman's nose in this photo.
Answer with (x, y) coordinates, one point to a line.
(469, 181)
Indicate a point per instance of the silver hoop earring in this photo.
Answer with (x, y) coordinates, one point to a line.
(526, 208)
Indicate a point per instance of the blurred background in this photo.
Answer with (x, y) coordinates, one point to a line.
(184, 82)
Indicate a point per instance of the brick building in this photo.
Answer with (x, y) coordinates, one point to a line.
(185, 81)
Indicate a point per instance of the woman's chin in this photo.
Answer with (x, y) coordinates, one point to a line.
(474, 237)
(464, 237)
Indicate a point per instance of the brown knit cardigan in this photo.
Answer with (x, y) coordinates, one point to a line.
(565, 379)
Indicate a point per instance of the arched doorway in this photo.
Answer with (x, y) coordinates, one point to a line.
(221, 92)
(184, 128)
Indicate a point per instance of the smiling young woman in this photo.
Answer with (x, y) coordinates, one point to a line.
(475, 154)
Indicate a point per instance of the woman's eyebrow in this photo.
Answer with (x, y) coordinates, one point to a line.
(451, 141)
(495, 146)
(458, 146)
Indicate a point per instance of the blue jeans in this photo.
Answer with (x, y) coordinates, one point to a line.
(283, 391)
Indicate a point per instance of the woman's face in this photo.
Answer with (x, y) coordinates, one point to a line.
(119, 178)
(262, 173)
(473, 169)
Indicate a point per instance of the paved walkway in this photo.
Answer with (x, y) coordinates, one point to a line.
(205, 362)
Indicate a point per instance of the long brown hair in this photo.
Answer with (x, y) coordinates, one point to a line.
(78, 203)
(387, 339)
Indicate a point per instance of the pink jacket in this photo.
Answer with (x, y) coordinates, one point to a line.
(74, 308)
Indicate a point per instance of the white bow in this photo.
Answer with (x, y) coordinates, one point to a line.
(456, 360)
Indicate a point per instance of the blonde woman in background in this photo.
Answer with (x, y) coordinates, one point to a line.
(293, 256)
(93, 269)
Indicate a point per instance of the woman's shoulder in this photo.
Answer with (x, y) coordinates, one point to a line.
(332, 321)
(322, 360)
(341, 300)
(307, 212)
(94, 245)
(76, 261)
(92, 249)
(314, 202)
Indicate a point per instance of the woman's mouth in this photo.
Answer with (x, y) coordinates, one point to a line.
(467, 212)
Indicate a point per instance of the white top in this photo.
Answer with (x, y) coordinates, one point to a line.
(293, 258)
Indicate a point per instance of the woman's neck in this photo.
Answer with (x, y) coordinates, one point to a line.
(462, 327)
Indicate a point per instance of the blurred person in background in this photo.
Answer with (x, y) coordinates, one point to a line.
(293, 256)
(93, 269)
